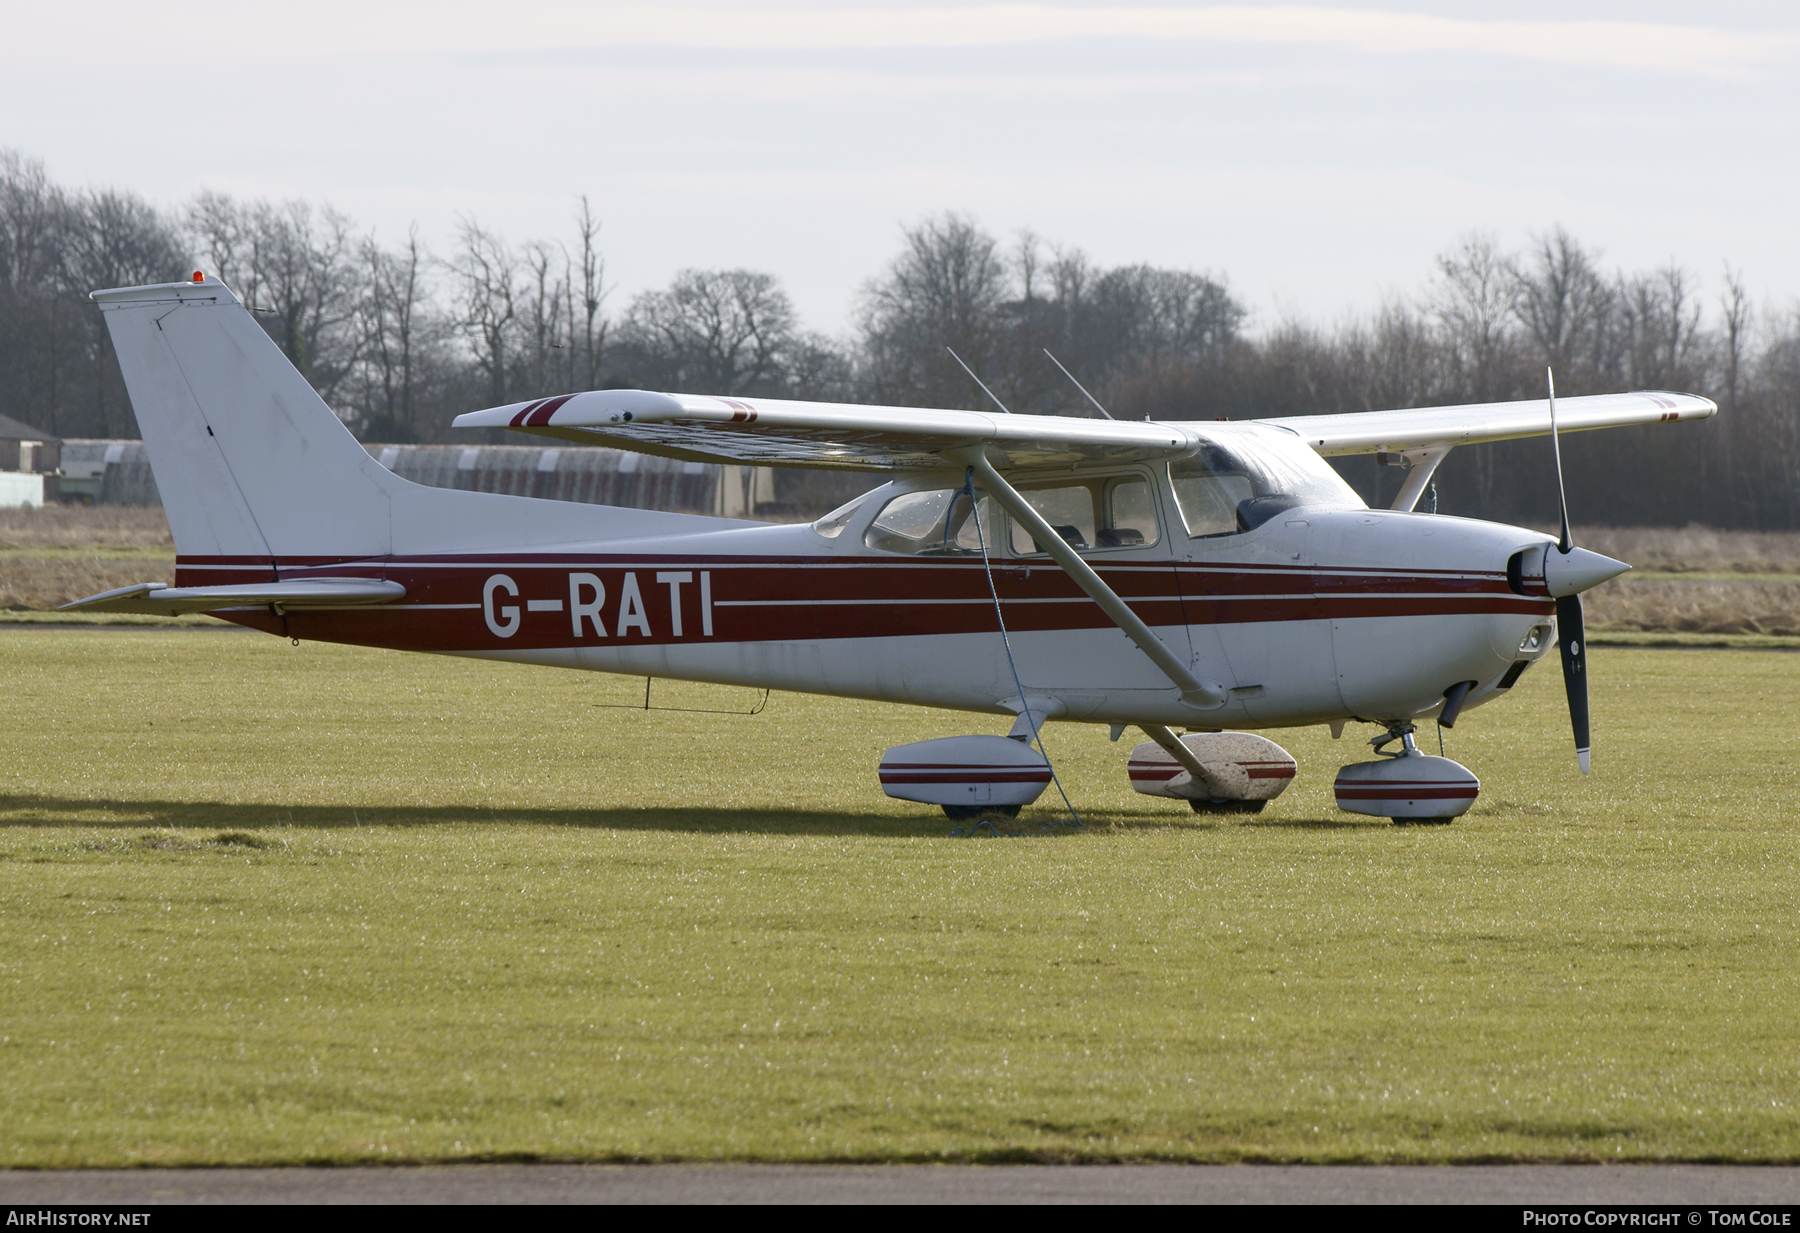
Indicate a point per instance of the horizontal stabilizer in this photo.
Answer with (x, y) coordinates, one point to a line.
(159, 599)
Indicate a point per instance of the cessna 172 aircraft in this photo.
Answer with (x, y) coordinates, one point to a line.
(1206, 576)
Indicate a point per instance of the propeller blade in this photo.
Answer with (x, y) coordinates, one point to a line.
(1571, 638)
(1556, 447)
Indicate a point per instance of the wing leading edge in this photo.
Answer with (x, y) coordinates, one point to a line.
(844, 436)
(773, 432)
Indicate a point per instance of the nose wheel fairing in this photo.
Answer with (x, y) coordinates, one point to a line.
(1408, 786)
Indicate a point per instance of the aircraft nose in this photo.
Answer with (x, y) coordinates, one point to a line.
(1578, 570)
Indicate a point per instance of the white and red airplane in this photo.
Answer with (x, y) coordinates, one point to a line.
(1206, 576)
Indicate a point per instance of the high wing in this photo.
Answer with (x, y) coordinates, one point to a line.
(774, 432)
(1369, 432)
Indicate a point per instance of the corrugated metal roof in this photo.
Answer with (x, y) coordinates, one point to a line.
(14, 430)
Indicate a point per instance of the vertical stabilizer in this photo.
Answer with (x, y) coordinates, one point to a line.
(249, 460)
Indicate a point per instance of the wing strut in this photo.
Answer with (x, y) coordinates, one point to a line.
(1421, 466)
(1203, 695)
(1165, 736)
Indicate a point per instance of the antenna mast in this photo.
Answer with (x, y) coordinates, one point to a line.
(1078, 385)
(979, 381)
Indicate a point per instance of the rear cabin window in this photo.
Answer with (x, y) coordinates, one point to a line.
(1102, 513)
(937, 522)
(1096, 514)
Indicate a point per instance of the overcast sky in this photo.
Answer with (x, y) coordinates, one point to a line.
(1317, 156)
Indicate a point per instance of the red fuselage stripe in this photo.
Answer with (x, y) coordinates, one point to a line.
(971, 775)
(1411, 794)
(808, 599)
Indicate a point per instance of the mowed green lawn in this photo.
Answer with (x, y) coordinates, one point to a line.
(489, 919)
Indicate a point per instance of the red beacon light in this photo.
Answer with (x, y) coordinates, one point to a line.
(199, 276)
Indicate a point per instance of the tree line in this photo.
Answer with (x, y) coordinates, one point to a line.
(399, 339)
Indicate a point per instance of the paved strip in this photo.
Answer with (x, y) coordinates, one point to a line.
(1682, 1185)
(225, 627)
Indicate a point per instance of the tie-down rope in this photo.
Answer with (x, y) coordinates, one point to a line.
(968, 490)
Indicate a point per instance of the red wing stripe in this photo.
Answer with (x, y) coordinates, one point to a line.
(541, 415)
(529, 408)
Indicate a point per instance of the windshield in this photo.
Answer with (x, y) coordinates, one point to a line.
(1232, 486)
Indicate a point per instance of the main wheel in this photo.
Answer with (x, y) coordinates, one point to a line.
(1421, 821)
(962, 813)
(1226, 806)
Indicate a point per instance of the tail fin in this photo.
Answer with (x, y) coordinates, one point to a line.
(249, 459)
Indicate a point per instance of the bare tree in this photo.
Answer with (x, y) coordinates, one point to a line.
(399, 336)
(946, 288)
(1397, 359)
(1660, 319)
(1735, 306)
(713, 331)
(486, 272)
(297, 268)
(56, 364)
(1564, 305)
(546, 319)
(593, 291)
(1474, 297)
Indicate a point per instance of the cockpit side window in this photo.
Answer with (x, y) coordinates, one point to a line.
(1100, 513)
(1208, 498)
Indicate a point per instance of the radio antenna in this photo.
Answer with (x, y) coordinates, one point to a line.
(979, 381)
(1078, 385)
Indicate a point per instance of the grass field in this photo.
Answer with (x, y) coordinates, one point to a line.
(261, 903)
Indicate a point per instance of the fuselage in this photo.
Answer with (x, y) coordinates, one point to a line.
(1323, 612)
